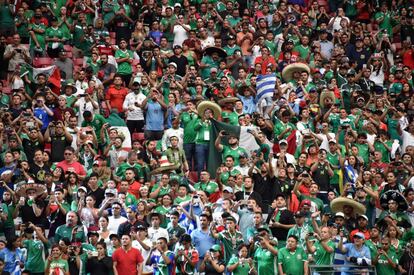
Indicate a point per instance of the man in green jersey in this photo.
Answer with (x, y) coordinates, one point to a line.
(231, 238)
(35, 249)
(265, 254)
(385, 260)
(233, 149)
(322, 249)
(70, 230)
(292, 258)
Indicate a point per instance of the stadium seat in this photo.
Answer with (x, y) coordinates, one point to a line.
(39, 62)
(138, 136)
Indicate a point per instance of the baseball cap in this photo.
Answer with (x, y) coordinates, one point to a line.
(111, 191)
(228, 189)
(359, 235)
(339, 214)
(172, 64)
(177, 5)
(82, 188)
(306, 202)
(141, 227)
(215, 248)
(283, 141)
(213, 70)
(364, 217)
(332, 141)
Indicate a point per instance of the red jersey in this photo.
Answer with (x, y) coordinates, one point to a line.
(127, 261)
(75, 167)
(116, 97)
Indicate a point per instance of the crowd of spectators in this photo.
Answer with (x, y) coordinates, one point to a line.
(329, 188)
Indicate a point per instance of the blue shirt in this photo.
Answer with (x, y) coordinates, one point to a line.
(202, 241)
(42, 115)
(154, 117)
(353, 252)
(249, 104)
(12, 260)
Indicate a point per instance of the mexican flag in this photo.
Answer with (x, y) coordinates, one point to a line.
(115, 121)
(246, 141)
(51, 72)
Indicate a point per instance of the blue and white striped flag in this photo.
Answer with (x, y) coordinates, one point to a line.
(265, 86)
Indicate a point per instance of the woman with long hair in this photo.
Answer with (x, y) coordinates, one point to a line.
(242, 263)
(55, 264)
(394, 234)
(103, 230)
(13, 255)
(213, 263)
(71, 185)
(87, 211)
(100, 264)
(138, 36)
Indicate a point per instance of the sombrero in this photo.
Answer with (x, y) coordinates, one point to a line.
(289, 70)
(153, 214)
(229, 99)
(326, 94)
(165, 166)
(23, 187)
(394, 196)
(338, 204)
(210, 50)
(70, 83)
(204, 105)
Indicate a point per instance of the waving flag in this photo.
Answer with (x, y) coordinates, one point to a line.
(52, 73)
(246, 141)
(119, 124)
(265, 86)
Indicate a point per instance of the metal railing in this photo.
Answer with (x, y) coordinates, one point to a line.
(337, 269)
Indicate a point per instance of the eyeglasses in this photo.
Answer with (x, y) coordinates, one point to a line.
(117, 208)
(68, 154)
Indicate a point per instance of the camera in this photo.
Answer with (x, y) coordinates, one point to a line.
(18, 50)
(82, 95)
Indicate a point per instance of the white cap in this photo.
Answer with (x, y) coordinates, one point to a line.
(283, 141)
(339, 214)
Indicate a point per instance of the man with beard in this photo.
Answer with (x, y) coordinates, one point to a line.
(230, 238)
(70, 230)
(280, 219)
(233, 149)
(59, 138)
(264, 180)
(132, 107)
(106, 71)
(115, 152)
(248, 192)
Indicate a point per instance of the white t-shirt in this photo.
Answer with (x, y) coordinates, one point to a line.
(407, 139)
(134, 112)
(114, 223)
(180, 34)
(145, 253)
(155, 234)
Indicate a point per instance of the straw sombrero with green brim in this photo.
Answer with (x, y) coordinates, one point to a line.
(23, 187)
(229, 99)
(337, 205)
(289, 70)
(204, 105)
(165, 166)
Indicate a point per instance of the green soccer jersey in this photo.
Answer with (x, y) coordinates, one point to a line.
(54, 33)
(292, 262)
(266, 262)
(243, 267)
(363, 151)
(189, 121)
(64, 231)
(209, 187)
(231, 242)
(224, 177)
(321, 256)
(120, 171)
(39, 36)
(179, 200)
(97, 123)
(383, 267)
(59, 266)
(280, 127)
(234, 152)
(202, 129)
(36, 256)
(124, 68)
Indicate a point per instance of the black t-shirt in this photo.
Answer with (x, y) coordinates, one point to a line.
(266, 187)
(39, 172)
(27, 214)
(286, 217)
(58, 143)
(99, 195)
(209, 270)
(321, 176)
(30, 147)
(99, 267)
(181, 62)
